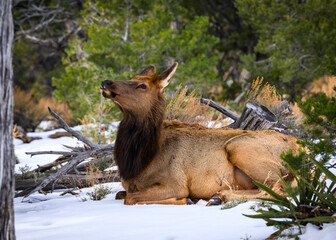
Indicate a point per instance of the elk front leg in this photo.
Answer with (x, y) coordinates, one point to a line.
(158, 194)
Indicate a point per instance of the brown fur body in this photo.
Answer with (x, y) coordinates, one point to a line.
(168, 161)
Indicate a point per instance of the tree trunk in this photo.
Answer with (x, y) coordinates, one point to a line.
(7, 161)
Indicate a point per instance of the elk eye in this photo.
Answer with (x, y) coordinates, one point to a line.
(143, 86)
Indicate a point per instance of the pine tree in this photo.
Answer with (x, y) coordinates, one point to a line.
(123, 36)
(296, 41)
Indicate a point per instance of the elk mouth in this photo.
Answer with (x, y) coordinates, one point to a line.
(107, 93)
(113, 94)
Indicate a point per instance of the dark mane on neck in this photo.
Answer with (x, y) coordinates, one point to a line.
(138, 141)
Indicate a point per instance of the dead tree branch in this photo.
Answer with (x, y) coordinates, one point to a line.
(73, 132)
(220, 108)
(53, 152)
(78, 156)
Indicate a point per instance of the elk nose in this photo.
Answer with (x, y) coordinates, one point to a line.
(106, 83)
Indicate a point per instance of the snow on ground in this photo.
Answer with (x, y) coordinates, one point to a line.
(55, 217)
(69, 217)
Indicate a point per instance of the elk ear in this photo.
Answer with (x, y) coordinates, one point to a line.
(165, 77)
(149, 70)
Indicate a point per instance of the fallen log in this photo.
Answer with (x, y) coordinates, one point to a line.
(67, 181)
(254, 116)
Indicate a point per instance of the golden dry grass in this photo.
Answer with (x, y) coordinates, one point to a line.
(265, 94)
(29, 112)
(16, 132)
(187, 108)
(323, 84)
(58, 107)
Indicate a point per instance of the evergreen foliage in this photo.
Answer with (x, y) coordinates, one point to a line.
(235, 40)
(296, 41)
(42, 29)
(123, 36)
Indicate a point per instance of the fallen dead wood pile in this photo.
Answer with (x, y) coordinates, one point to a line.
(67, 181)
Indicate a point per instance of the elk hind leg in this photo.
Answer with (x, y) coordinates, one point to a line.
(229, 195)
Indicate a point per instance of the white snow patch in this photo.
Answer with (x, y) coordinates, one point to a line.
(46, 125)
(313, 232)
(55, 217)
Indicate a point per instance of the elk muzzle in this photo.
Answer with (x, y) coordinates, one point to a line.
(107, 89)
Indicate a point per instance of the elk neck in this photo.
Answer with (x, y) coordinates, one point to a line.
(138, 139)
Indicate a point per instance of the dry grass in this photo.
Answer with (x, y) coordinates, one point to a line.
(29, 112)
(264, 94)
(267, 95)
(323, 84)
(187, 108)
(58, 107)
(16, 132)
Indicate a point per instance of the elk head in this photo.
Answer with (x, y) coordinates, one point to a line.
(139, 133)
(138, 95)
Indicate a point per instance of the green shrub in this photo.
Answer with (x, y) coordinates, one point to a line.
(26, 173)
(100, 164)
(313, 200)
(233, 203)
(99, 192)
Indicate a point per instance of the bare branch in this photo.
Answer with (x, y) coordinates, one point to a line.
(67, 181)
(53, 152)
(38, 26)
(73, 30)
(75, 161)
(220, 108)
(127, 27)
(46, 42)
(73, 132)
(329, 128)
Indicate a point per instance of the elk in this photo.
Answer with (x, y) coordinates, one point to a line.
(171, 162)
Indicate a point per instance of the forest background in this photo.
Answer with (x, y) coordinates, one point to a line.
(64, 49)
